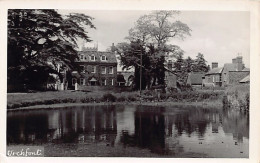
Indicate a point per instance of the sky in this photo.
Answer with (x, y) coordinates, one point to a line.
(219, 35)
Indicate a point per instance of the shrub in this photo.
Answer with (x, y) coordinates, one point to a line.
(163, 96)
(225, 102)
(131, 98)
(247, 101)
(109, 97)
(148, 92)
(149, 98)
(68, 100)
(172, 90)
(85, 100)
(121, 99)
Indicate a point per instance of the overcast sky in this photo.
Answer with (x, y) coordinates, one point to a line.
(219, 35)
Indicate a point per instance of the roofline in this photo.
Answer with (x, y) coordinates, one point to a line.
(239, 71)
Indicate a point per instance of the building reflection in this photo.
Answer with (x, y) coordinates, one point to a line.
(160, 131)
(155, 128)
(64, 126)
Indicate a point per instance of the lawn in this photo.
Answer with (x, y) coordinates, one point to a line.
(18, 100)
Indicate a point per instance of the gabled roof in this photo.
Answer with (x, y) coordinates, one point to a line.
(110, 57)
(215, 71)
(246, 69)
(245, 80)
(230, 67)
(195, 78)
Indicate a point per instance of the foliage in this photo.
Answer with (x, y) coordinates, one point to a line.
(149, 37)
(109, 97)
(41, 42)
(185, 66)
(200, 64)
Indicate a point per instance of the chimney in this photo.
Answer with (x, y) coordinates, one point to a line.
(113, 48)
(214, 65)
(234, 60)
(240, 65)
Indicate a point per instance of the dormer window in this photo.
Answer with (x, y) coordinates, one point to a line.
(92, 57)
(103, 58)
(82, 57)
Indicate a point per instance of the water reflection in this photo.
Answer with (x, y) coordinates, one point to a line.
(165, 131)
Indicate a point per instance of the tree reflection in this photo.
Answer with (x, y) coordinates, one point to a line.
(63, 126)
(155, 128)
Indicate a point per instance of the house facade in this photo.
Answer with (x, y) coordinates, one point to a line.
(195, 79)
(229, 74)
(97, 69)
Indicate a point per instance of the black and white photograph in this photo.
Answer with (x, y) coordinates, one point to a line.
(128, 83)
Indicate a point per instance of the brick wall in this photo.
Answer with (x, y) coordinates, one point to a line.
(98, 75)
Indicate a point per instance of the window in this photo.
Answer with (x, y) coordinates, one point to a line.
(93, 69)
(82, 81)
(103, 70)
(110, 70)
(82, 57)
(103, 82)
(103, 58)
(74, 81)
(92, 57)
(112, 82)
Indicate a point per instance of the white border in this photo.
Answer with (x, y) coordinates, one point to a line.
(209, 5)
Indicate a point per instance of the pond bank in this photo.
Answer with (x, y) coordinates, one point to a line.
(209, 104)
(64, 98)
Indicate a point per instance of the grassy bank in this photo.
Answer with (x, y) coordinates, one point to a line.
(60, 97)
(238, 97)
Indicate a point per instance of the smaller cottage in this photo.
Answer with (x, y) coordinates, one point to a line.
(195, 79)
(230, 74)
(213, 77)
(245, 80)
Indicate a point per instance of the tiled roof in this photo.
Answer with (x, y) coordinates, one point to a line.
(245, 80)
(195, 78)
(110, 57)
(215, 71)
(230, 67)
(246, 69)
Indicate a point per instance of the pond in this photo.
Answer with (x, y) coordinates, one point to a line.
(132, 131)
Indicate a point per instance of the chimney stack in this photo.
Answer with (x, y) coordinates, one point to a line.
(113, 48)
(239, 63)
(214, 65)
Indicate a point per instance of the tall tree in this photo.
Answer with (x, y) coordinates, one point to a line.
(189, 64)
(154, 31)
(200, 64)
(41, 42)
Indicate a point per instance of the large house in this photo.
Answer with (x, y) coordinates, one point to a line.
(98, 69)
(229, 74)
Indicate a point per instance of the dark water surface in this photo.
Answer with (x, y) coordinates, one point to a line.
(164, 131)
